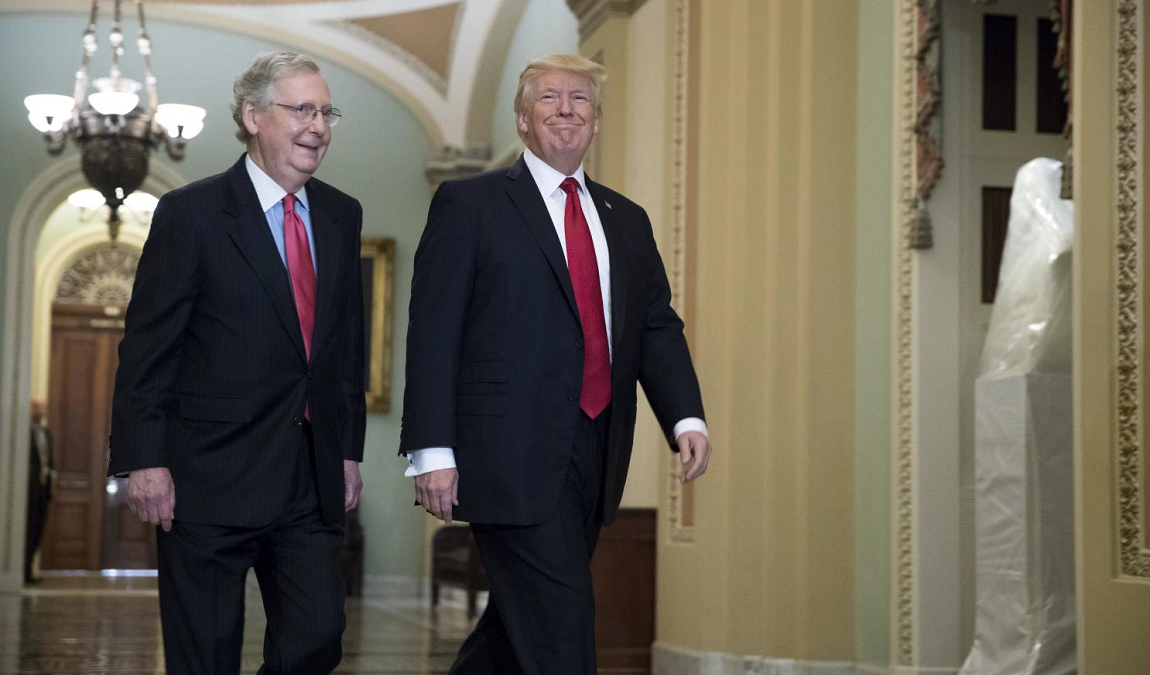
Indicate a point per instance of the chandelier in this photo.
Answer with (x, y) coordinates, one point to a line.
(113, 129)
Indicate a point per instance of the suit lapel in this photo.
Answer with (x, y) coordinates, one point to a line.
(525, 193)
(328, 236)
(613, 231)
(249, 230)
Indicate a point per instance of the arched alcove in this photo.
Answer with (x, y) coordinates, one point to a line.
(42, 196)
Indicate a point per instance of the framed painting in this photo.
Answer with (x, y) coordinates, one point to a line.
(377, 262)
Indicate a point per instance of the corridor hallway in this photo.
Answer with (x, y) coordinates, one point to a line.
(111, 625)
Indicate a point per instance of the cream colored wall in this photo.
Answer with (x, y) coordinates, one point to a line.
(771, 568)
(1113, 610)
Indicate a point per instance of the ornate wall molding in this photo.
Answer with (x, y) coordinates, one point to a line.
(677, 258)
(906, 83)
(928, 100)
(101, 276)
(453, 162)
(1134, 557)
(592, 13)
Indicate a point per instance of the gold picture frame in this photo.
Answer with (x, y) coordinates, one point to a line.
(377, 261)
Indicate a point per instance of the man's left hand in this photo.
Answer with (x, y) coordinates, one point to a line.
(695, 452)
(352, 484)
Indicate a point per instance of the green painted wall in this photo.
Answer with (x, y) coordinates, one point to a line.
(873, 334)
(546, 27)
(378, 155)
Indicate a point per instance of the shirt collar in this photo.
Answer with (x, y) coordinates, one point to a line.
(268, 191)
(547, 178)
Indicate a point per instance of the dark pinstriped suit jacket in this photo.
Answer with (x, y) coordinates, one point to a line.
(213, 378)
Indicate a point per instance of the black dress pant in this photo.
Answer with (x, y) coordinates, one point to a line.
(34, 529)
(202, 570)
(540, 616)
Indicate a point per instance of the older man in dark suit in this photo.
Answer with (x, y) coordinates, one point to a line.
(239, 407)
(539, 300)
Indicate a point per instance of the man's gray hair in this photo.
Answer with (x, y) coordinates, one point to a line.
(572, 63)
(255, 84)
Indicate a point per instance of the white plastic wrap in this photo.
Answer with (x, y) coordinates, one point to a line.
(1024, 506)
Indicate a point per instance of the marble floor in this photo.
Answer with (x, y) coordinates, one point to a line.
(88, 625)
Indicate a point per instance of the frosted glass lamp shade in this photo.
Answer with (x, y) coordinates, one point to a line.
(86, 199)
(141, 202)
(179, 120)
(48, 112)
(113, 102)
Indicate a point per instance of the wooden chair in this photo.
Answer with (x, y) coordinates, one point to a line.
(455, 562)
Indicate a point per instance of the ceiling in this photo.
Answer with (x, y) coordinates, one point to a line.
(443, 58)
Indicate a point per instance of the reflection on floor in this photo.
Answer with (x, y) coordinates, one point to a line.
(89, 625)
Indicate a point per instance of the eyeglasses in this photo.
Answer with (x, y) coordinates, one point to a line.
(306, 113)
(551, 99)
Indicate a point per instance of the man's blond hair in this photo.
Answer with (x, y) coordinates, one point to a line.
(595, 73)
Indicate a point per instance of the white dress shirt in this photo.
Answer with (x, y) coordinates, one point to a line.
(547, 179)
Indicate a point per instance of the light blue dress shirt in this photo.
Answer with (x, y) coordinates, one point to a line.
(271, 197)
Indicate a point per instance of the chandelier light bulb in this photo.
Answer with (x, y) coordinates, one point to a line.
(86, 199)
(49, 112)
(113, 102)
(141, 202)
(179, 120)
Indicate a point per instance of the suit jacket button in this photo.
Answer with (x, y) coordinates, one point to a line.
(579, 343)
(297, 420)
(571, 396)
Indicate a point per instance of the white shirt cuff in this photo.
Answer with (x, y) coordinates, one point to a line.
(429, 459)
(690, 424)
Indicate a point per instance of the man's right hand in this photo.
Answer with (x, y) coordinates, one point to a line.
(437, 492)
(152, 496)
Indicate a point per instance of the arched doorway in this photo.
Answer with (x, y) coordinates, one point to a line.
(88, 526)
(43, 195)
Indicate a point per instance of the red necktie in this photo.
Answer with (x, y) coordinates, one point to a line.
(584, 270)
(301, 270)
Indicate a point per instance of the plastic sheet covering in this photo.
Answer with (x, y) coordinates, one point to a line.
(1024, 506)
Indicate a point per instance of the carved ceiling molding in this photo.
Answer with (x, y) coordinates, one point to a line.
(592, 13)
(1133, 554)
(435, 80)
(904, 440)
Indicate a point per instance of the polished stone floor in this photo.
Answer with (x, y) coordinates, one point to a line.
(95, 625)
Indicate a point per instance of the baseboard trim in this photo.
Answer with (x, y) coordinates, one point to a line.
(412, 588)
(673, 660)
(393, 586)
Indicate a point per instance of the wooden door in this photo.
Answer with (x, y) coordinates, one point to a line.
(89, 525)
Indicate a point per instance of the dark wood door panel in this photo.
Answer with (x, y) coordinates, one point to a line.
(90, 526)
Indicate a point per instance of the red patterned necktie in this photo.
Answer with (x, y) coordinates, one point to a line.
(584, 270)
(301, 270)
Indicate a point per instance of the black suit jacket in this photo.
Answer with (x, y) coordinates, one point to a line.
(495, 347)
(213, 377)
